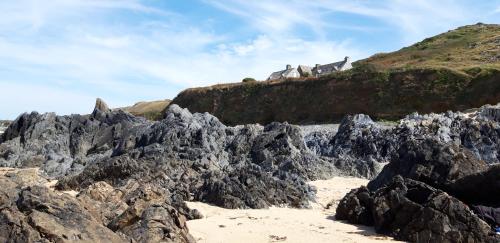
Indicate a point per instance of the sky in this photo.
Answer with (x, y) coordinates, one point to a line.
(60, 55)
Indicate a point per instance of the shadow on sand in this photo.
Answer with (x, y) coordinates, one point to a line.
(368, 231)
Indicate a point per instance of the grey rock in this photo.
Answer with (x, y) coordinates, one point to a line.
(101, 105)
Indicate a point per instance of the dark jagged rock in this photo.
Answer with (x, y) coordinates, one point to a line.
(414, 211)
(356, 207)
(357, 147)
(63, 145)
(195, 157)
(445, 160)
(184, 152)
(252, 187)
(431, 162)
(479, 189)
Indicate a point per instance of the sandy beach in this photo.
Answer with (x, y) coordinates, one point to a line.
(221, 225)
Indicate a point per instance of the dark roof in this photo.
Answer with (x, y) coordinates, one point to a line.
(329, 68)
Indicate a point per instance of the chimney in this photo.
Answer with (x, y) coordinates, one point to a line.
(288, 66)
(347, 59)
(317, 66)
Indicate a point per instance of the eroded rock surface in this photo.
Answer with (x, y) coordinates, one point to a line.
(30, 212)
(440, 165)
(414, 211)
(33, 212)
(133, 175)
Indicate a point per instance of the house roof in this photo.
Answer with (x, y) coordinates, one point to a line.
(281, 74)
(276, 75)
(329, 68)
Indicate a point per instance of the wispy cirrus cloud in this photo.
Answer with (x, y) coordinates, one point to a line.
(58, 55)
(408, 19)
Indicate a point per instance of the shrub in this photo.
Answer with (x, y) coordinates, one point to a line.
(247, 80)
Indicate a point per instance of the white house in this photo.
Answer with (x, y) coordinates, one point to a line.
(289, 72)
(307, 71)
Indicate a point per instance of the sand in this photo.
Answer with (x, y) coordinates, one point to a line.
(284, 224)
(220, 225)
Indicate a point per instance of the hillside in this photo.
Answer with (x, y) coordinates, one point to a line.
(385, 86)
(151, 110)
(463, 48)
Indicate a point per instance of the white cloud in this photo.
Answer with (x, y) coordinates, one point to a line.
(413, 19)
(69, 48)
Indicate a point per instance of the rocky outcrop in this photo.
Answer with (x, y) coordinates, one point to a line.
(356, 207)
(195, 156)
(431, 162)
(33, 213)
(480, 188)
(133, 175)
(414, 211)
(101, 105)
(439, 165)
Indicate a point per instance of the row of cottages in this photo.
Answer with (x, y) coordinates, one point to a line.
(307, 71)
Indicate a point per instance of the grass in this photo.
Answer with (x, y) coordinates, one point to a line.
(460, 49)
(151, 110)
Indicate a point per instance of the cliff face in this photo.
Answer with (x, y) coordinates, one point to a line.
(380, 94)
(455, 70)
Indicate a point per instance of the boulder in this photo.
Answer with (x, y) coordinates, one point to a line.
(32, 213)
(431, 162)
(356, 207)
(480, 188)
(413, 211)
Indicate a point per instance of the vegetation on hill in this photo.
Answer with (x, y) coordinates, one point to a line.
(151, 110)
(456, 70)
(460, 49)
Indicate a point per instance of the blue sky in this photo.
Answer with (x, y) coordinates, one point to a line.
(59, 55)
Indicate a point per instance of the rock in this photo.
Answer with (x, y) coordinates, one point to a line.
(31, 213)
(133, 175)
(479, 188)
(356, 207)
(431, 162)
(413, 211)
(100, 213)
(185, 152)
(101, 105)
(252, 187)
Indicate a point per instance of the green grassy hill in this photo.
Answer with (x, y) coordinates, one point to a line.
(461, 49)
(456, 70)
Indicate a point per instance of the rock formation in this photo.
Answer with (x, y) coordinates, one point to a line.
(101, 105)
(438, 167)
(414, 211)
(134, 175)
